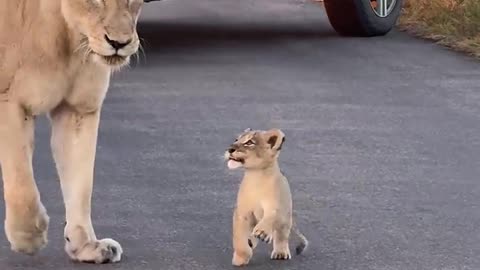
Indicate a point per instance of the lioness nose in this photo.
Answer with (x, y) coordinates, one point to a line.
(231, 150)
(117, 45)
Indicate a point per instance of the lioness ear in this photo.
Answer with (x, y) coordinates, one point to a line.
(275, 138)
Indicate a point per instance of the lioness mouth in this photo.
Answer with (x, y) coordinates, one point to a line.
(114, 60)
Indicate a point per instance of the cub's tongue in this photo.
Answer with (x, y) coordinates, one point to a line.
(232, 164)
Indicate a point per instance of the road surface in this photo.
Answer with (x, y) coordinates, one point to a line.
(382, 143)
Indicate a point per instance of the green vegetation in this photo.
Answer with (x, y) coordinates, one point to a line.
(454, 23)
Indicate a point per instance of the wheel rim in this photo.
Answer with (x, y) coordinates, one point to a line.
(382, 8)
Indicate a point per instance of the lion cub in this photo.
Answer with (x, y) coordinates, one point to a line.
(264, 202)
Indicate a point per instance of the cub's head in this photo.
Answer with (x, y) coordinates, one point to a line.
(255, 149)
(108, 27)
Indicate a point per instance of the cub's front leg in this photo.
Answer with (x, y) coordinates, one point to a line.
(281, 249)
(74, 140)
(266, 226)
(242, 228)
(275, 227)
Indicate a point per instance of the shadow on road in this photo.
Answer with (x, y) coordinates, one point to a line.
(171, 35)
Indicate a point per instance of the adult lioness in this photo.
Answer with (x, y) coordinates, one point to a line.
(56, 57)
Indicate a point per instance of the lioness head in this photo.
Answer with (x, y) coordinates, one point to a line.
(255, 149)
(108, 27)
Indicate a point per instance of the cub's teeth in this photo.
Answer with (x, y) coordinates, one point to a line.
(232, 164)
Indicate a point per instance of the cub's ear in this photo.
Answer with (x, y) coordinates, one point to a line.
(275, 138)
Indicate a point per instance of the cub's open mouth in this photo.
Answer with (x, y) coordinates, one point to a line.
(234, 163)
(241, 160)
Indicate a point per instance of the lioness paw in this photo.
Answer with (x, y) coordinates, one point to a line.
(100, 251)
(111, 250)
(281, 255)
(30, 235)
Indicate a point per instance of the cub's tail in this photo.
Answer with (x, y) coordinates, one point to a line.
(303, 245)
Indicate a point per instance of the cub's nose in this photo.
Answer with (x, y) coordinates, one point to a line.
(117, 45)
(231, 150)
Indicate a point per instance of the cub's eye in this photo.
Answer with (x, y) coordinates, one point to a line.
(249, 142)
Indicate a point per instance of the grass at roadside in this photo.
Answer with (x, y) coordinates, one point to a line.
(454, 23)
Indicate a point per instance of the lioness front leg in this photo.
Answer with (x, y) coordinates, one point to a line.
(74, 140)
(242, 228)
(26, 220)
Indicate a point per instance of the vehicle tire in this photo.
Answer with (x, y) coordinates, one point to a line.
(364, 18)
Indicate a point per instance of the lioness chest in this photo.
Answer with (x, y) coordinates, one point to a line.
(40, 89)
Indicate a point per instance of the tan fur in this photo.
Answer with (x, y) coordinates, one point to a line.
(264, 202)
(55, 59)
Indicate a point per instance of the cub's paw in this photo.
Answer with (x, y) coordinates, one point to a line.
(263, 234)
(252, 242)
(100, 251)
(281, 255)
(241, 259)
(27, 234)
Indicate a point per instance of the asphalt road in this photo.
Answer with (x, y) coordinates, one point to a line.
(382, 149)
